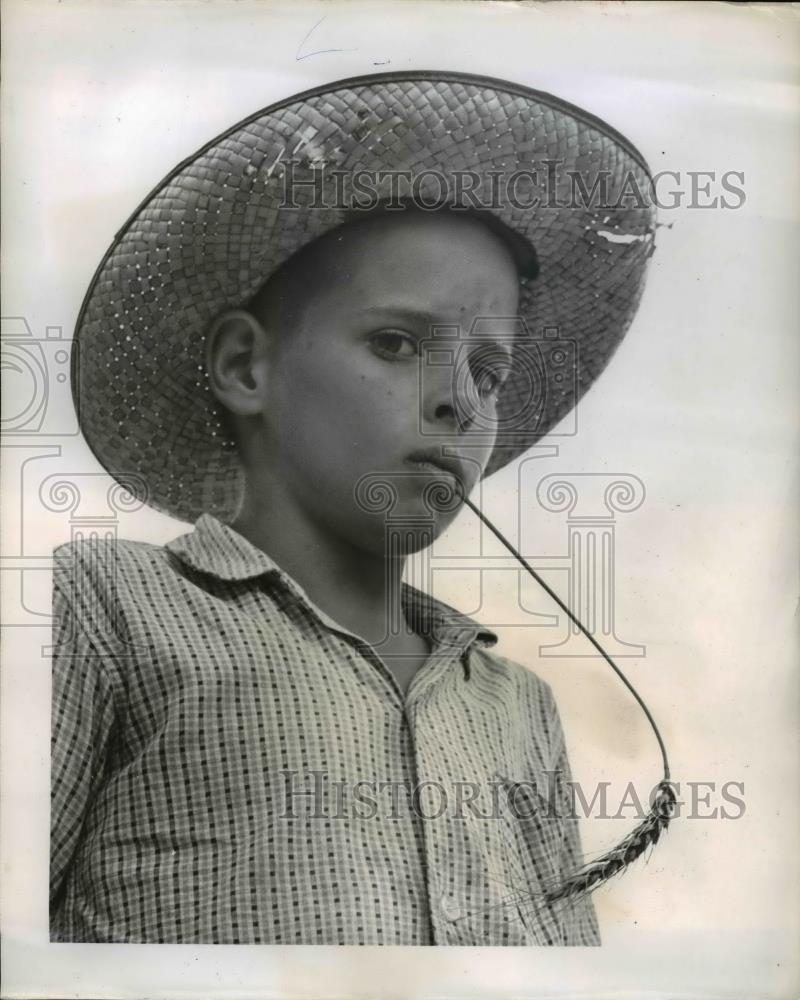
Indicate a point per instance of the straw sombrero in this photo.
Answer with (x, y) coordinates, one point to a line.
(211, 232)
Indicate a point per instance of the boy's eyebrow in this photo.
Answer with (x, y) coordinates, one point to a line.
(422, 316)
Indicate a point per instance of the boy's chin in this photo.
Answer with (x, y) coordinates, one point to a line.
(405, 533)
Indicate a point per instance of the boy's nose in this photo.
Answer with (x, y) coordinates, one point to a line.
(451, 398)
(456, 415)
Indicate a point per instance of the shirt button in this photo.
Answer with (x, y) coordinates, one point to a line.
(451, 911)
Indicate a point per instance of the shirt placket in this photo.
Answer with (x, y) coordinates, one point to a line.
(446, 909)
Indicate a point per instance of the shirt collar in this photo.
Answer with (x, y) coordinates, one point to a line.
(218, 550)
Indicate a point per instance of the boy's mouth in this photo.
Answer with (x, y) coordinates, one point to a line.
(436, 462)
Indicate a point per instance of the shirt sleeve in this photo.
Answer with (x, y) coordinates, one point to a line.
(82, 721)
(580, 920)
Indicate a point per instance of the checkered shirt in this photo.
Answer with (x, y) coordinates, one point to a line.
(231, 765)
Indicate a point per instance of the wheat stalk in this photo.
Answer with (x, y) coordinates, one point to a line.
(646, 834)
(590, 876)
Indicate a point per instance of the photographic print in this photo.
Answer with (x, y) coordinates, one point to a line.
(400, 499)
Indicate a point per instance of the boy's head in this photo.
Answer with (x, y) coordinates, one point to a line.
(332, 373)
(283, 180)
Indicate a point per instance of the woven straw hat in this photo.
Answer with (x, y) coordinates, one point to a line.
(208, 236)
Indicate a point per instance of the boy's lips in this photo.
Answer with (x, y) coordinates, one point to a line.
(433, 459)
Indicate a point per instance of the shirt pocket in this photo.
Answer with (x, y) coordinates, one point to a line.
(533, 834)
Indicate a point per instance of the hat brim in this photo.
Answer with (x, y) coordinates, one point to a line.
(219, 224)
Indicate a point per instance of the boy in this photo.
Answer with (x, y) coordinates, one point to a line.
(261, 734)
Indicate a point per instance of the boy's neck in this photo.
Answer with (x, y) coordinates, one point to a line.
(359, 589)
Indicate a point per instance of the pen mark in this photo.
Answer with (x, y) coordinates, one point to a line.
(317, 52)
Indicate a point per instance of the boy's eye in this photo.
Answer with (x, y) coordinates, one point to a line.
(394, 343)
(489, 374)
(489, 384)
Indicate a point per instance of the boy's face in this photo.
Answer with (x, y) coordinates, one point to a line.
(351, 392)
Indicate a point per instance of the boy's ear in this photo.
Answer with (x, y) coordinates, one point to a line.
(237, 359)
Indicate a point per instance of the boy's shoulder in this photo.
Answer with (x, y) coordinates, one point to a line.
(97, 560)
(529, 685)
(528, 698)
(94, 579)
(500, 674)
(106, 547)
